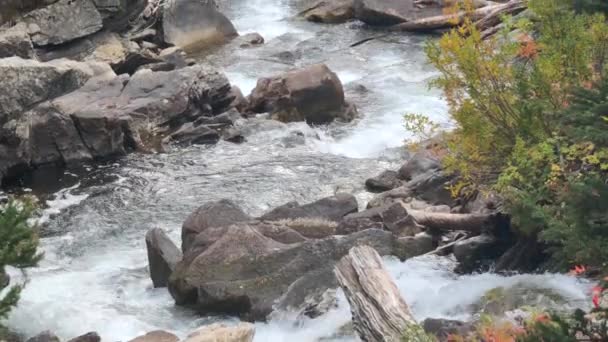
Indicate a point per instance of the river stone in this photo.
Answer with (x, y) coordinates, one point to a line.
(192, 134)
(332, 208)
(15, 41)
(411, 246)
(385, 181)
(245, 273)
(195, 24)
(212, 214)
(156, 336)
(163, 255)
(391, 12)
(63, 21)
(45, 336)
(313, 94)
(5, 279)
(418, 164)
(330, 11)
(472, 251)
(220, 332)
(88, 337)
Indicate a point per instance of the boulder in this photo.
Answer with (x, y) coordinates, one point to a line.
(222, 213)
(332, 208)
(88, 337)
(313, 94)
(15, 41)
(248, 40)
(471, 252)
(192, 134)
(391, 12)
(243, 272)
(195, 24)
(220, 332)
(330, 11)
(444, 328)
(134, 61)
(392, 217)
(411, 246)
(63, 21)
(118, 14)
(431, 187)
(109, 47)
(45, 336)
(418, 164)
(156, 336)
(385, 181)
(163, 255)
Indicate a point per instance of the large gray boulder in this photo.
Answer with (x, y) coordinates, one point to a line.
(330, 11)
(212, 214)
(163, 255)
(240, 271)
(15, 41)
(332, 208)
(63, 21)
(193, 24)
(391, 12)
(313, 94)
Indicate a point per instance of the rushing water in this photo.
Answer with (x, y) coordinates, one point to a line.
(94, 274)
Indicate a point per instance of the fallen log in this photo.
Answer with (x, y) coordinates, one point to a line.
(494, 18)
(488, 14)
(379, 312)
(476, 223)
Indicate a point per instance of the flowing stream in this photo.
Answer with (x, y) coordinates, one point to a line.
(94, 274)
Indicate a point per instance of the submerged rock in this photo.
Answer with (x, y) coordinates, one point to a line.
(313, 94)
(220, 332)
(194, 24)
(163, 255)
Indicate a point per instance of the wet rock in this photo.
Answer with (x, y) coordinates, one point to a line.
(117, 14)
(417, 165)
(243, 272)
(191, 134)
(411, 246)
(145, 35)
(332, 208)
(222, 213)
(248, 40)
(63, 21)
(443, 328)
(163, 255)
(242, 332)
(330, 11)
(156, 336)
(134, 60)
(391, 12)
(15, 41)
(175, 56)
(88, 337)
(313, 94)
(385, 181)
(471, 252)
(392, 217)
(45, 336)
(525, 256)
(195, 24)
(430, 187)
(5, 279)
(352, 225)
(240, 102)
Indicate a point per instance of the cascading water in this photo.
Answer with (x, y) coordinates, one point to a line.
(94, 274)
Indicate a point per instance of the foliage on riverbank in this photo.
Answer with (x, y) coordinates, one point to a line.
(531, 111)
(18, 248)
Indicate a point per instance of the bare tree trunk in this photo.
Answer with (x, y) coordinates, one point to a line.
(493, 18)
(379, 312)
(488, 15)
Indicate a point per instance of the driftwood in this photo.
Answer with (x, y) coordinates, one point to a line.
(475, 223)
(486, 15)
(493, 18)
(379, 312)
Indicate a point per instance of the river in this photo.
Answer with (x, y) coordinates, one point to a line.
(94, 274)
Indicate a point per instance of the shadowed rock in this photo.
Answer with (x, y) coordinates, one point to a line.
(163, 255)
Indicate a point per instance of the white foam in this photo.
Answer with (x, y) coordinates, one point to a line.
(62, 200)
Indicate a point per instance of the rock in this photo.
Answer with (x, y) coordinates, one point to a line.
(175, 56)
(26, 82)
(385, 181)
(443, 328)
(392, 217)
(525, 256)
(117, 14)
(63, 21)
(417, 165)
(222, 213)
(391, 12)
(220, 332)
(88, 337)
(240, 102)
(15, 41)
(133, 60)
(195, 24)
(45, 336)
(163, 255)
(5, 279)
(248, 40)
(190, 134)
(471, 252)
(483, 202)
(411, 246)
(243, 272)
(109, 47)
(145, 35)
(156, 336)
(313, 94)
(430, 187)
(332, 208)
(330, 11)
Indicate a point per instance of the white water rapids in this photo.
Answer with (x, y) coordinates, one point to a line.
(94, 274)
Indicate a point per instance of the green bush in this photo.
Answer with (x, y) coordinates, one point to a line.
(18, 247)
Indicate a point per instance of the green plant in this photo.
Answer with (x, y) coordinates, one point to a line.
(18, 246)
